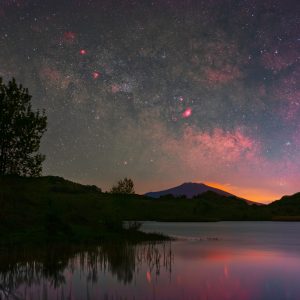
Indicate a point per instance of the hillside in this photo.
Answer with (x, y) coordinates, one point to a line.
(39, 209)
(287, 200)
(287, 206)
(52, 208)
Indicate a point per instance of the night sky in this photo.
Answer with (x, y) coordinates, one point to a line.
(163, 92)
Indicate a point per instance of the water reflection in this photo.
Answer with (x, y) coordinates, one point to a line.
(245, 262)
(55, 271)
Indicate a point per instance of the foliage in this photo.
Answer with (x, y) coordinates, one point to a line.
(124, 186)
(21, 130)
(50, 207)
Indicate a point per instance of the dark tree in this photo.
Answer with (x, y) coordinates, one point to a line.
(21, 130)
(124, 186)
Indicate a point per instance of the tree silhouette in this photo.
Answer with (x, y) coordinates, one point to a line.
(124, 186)
(21, 130)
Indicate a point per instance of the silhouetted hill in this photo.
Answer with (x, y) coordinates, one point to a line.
(287, 200)
(39, 209)
(191, 189)
(287, 208)
(51, 208)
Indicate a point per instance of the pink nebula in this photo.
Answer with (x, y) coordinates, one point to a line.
(187, 113)
(96, 75)
(69, 36)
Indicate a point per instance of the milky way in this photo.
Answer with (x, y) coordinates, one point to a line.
(163, 91)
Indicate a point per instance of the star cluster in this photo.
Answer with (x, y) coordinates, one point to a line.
(163, 91)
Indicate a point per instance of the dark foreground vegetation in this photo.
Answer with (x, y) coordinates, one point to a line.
(50, 208)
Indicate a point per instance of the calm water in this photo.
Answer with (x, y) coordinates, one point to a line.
(226, 260)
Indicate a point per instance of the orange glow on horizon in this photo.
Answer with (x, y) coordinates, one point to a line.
(253, 194)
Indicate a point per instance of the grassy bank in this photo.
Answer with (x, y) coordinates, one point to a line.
(54, 209)
(51, 209)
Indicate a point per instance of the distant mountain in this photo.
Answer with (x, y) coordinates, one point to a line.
(190, 190)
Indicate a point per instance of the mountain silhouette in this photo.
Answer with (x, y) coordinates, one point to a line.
(191, 189)
(188, 189)
(288, 200)
(287, 208)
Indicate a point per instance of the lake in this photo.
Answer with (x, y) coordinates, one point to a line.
(223, 260)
